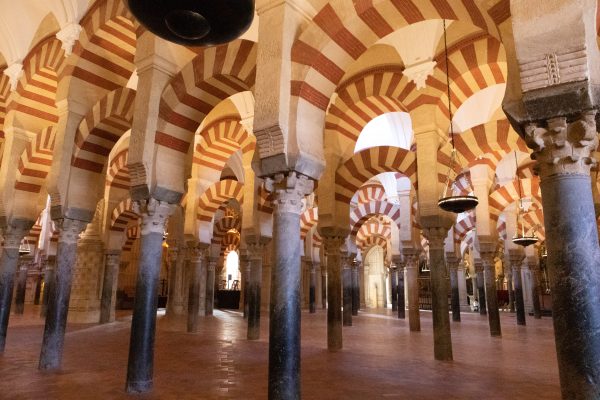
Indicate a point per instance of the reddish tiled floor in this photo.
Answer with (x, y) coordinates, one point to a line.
(381, 359)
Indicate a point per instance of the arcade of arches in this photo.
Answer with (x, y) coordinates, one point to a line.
(296, 172)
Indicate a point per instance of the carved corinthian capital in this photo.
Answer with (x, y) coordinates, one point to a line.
(154, 215)
(69, 230)
(289, 191)
(561, 147)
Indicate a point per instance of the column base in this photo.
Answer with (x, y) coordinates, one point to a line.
(138, 387)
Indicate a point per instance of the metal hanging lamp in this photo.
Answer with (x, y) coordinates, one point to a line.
(521, 238)
(195, 22)
(24, 248)
(448, 202)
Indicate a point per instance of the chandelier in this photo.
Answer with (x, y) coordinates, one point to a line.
(521, 238)
(195, 22)
(24, 248)
(448, 202)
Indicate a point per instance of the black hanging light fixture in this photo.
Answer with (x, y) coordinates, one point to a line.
(195, 22)
(448, 202)
(521, 238)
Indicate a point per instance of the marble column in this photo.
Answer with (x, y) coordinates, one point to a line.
(255, 253)
(347, 289)
(172, 255)
(355, 288)
(38, 290)
(210, 285)
(511, 291)
(442, 344)
(49, 279)
(333, 244)
(21, 285)
(245, 267)
(197, 258)
(516, 257)
(112, 262)
(284, 327)
(453, 261)
(140, 367)
(487, 250)
(323, 286)
(480, 286)
(13, 235)
(411, 259)
(58, 300)
(401, 304)
(563, 150)
(535, 287)
(394, 284)
(462, 287)
(312, 289)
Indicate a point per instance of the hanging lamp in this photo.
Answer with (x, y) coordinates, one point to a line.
(522, 239)
(448, 202)
(195, 22)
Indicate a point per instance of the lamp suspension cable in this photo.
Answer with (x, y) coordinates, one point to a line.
(448, 87)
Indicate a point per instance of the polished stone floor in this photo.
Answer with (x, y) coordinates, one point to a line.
(381, 360)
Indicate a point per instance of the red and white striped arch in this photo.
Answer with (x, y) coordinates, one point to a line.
(103, 57)
(35, 161)
(509, 193)
(368, 163)
(370, 191)
(265, 201)
(372, 241)
(118, 172)
(133, 233)
(214, 75)
(534, 220)
(34, 104)
(463, 227)
(215, 195)
(343, 30)
(33, 236)
(223, 225)
(366, 211)
(101, 128)
(373, 228)
(230, 242)
(308, 219)
(462, 184)
(122, 216)
(496, 138)
(4, 93)
(219, 140)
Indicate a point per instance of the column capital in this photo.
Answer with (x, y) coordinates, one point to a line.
(154, 215)
(113, 257)
(478, 264)
(69, 229)
(436, 236)
(563, 147)
(411, 257)
(516, 256)
(452, 260)
(197, 252)
(14, 233)
(333, 244)
(256, 248)
(398, 261)
(289, 190)
(487, 251)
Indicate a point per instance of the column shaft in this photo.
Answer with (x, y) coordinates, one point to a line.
(58, 300)
(8, 267)
(49, 281)
(400, 294)
(312, 290)
(109, 286)
(455, 301)
(491, 296)
(210, 286)
(393, 279)
(535, 289)
(334, 292)
(481, 290)
(254, 289)
(324, 287)
(519, 302)
(21, 288)
(442, 344)
(355, 290)
(195, 274)
(511, 291)
(347, 293)
(412, 278)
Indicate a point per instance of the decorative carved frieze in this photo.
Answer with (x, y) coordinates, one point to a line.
(69, 230)
(570, 65)
(289, 191)
(154, 215)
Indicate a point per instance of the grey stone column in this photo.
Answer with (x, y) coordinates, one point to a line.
(535, 287)
(347, 289)
(511, 291)
(172, 255)
(255, 253)
(400, 264)
(210, 285)
(13, 235)
(49, 280)
(284, 327)
(140, 367)
(462, 287)
(58, 300)
(411, 259)
(112, 262)
(488, 251)
(394, 284)
(453, 261)
(197, 257)
(480, 286)
(312, 289)
(38, 290)
(21, 285)
(442, 344)
(324, 286)
(333, 242)
(245, 267)
(563, 151)
(355, 287)
(516, 257)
